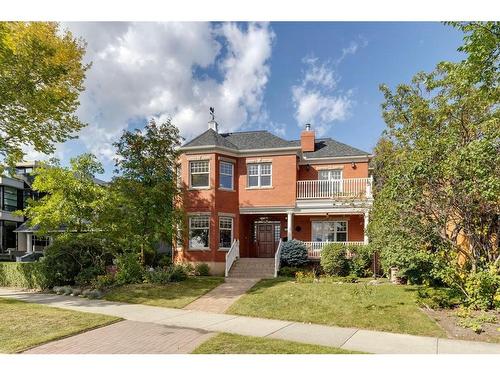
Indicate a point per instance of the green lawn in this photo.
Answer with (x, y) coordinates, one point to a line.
(226, 343)
(24, 325)
(175, 295)
(384, 307)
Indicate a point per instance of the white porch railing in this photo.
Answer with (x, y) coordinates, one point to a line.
(232, 255)
(324, 189)
(277, 258)
(314, 247)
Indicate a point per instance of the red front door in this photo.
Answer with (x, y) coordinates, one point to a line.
(265, 241)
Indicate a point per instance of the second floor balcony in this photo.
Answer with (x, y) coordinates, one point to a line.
(348, 188)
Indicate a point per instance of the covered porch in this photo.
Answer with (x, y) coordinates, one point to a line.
(261, 233)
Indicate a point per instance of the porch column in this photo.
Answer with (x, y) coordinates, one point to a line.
(365, 227)
(29, 242)
(289, 225)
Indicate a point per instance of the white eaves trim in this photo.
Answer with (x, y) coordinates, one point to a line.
(335, 159)
(232, 152)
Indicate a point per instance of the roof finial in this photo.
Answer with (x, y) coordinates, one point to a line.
(212, 124)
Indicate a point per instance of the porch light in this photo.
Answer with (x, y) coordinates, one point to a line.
(353, 165)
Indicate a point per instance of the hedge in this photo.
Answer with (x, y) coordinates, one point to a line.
(22, 275)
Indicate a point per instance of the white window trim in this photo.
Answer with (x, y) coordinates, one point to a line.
(232, 175)
(259, 176)
(232, 232)
(189, 233)
(335, 221)
(190, 174)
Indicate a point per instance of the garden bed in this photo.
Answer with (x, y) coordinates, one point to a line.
(450, 322)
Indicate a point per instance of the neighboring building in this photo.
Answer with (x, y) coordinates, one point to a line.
(11, 199)
(16, 238)
(247, 191)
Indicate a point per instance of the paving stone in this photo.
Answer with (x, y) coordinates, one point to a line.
(128, 337)
(220, 298)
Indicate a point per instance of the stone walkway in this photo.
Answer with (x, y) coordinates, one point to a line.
(345, 338)
(220, 298)
(128, 337)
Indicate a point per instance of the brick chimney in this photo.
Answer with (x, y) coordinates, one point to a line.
(307, 139)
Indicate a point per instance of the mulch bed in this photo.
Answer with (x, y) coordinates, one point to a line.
(448, 320)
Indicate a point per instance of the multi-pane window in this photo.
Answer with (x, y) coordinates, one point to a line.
(330, 174)
(199, 174)
(334, 231)
(199, 232)
(226, 171)
(225, 232)
(259, 175)
(9, 198)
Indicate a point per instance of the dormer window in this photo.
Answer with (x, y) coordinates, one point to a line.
(199, 174)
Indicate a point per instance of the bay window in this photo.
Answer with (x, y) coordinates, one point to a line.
(199, 232)
(226, 171)
(199, 174)
(259, 175)
(331, 231)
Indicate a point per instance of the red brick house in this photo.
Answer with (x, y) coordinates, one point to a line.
(246, 192)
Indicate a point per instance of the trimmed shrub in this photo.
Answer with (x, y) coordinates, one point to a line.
(294, 254)
(23, 275)
(179, 272)
(334, 259)
(202, 269)
(129, 269)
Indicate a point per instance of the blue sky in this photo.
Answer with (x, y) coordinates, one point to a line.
(274, 76)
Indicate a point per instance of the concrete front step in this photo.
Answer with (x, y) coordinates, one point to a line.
(245, 268)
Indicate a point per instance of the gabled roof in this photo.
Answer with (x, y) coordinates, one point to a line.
(262, 139)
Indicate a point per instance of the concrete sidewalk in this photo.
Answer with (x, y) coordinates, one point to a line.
(345, 338)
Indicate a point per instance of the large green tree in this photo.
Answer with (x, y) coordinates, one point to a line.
(71, 197)
(437, 166)
(145, 192)
(41, 77)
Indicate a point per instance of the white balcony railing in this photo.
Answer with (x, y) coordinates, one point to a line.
(231, 256)
(360, 188)
(277, 259)
(314, 247)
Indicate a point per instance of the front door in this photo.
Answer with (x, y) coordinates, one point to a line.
(265, 240)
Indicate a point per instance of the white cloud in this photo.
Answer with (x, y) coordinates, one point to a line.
(317, 98)
(144, 70)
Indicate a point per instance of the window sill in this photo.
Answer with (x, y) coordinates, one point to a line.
(202, 250)
(226, 249)
(259, 188)
(226, 189)
(200, 188)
